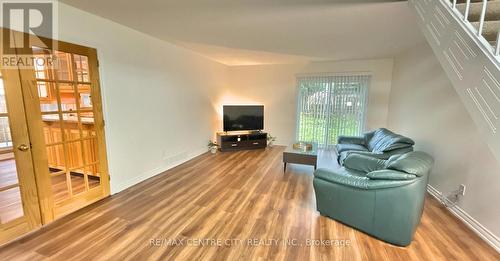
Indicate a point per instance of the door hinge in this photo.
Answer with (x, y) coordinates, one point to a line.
(97, 62)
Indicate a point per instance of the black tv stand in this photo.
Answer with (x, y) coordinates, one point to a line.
(231, 141)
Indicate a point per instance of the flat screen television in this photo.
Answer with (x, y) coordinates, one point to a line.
(243, 117)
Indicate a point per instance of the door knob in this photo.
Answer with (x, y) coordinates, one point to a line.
(23, 147)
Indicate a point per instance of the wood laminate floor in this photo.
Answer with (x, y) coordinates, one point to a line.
(240, 196)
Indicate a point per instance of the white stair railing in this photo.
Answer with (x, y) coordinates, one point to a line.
(495, 50)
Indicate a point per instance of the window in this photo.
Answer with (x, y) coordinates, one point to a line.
(329, 106)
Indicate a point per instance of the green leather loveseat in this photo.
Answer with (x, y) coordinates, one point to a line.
(381, 143)
(383, 198)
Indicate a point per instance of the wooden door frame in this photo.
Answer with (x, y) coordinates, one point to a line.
(33, 115)
(24, 160)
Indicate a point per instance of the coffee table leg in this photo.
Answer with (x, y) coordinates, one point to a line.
(315, 167)
(284, 166)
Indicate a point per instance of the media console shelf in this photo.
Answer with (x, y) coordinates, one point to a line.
(241, 140)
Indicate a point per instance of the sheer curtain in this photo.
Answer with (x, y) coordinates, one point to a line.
(329, 106)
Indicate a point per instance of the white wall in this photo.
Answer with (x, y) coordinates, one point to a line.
(425, 106)
(275, 87)
(156, 103)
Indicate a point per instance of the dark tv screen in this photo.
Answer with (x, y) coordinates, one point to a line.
(243, 117)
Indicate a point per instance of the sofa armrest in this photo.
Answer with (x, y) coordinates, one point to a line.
(341, 177)
(350, 140)
(391, 214)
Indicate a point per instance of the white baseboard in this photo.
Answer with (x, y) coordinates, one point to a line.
(156, 171)
(473, 224)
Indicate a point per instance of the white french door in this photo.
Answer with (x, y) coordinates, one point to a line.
(329, 106)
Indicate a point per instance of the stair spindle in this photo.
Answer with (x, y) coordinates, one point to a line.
(481, 20)
(467, 10)
(497, 48)
(454, 4)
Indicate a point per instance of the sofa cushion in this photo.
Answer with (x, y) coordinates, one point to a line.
(342, 156)
(342, 139)
(384, 140)
(417, 163)
(387, 174)
(350, 147)
(363, 163)
(392, 159)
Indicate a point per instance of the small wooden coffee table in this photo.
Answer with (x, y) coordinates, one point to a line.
(299, 156)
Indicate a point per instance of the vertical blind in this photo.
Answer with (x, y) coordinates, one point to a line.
(329, 106)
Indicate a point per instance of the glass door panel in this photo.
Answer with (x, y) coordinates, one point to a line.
(66, 97)
(65, 126)
(10, 197)
(19, 211)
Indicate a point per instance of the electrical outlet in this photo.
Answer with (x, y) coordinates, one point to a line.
(461, 189)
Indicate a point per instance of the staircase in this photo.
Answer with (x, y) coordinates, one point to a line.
(472, 13)
(464, 35)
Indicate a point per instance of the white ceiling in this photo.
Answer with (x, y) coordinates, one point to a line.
(242, 32)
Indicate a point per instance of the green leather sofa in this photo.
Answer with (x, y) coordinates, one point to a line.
(383, 198)
(381, 143)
